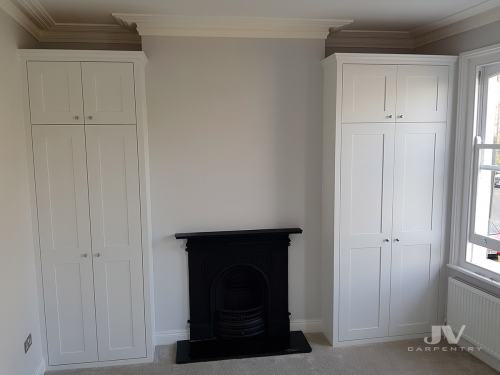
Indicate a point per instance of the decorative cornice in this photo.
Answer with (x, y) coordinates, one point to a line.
(89, 33)
(37, 12)
(32, 16)
(469, 19)
(238, 27)
(22, 19)
(479, 9)
(397, 40)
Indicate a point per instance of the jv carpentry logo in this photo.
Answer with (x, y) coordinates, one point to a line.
(433, 342)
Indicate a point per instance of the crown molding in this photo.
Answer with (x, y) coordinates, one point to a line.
(236, 27)
(22, 19)
(37, 12)
(397, 40)
(469, 19)
(89, 33)
(33, 17)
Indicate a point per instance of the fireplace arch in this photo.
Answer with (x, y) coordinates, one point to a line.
(240, 302)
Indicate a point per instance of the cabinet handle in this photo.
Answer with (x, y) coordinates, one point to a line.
(396, 240)
(388, 116)
(97, 255)
(385, 240)
(84, 255)
(76, 117)
(400, 116)
(90, 117)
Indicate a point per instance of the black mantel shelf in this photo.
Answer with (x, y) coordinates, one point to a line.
(235, 233)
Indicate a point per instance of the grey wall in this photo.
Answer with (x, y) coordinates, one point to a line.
(18, 297)
(477, 38)
(235, 143)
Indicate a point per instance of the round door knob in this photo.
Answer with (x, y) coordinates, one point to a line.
(389, 116)
(400, 116)
(90, 117)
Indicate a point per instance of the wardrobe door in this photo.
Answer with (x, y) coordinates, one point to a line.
(422, 93)
(417, 226)
(108, 92)
(365, 229)
(65, 246)
(116, 240)
(55, 92)
(369, 93)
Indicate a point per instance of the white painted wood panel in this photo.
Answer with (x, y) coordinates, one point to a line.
(422, 93)
(55, 92)
(116, 240)
(365, 229)
(65, 245)
(109, 93)
(417, 225)
(369, 93)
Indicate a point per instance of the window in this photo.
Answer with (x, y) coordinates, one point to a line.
(483, 248)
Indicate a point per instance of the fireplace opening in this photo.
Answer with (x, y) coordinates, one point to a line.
(240, 303)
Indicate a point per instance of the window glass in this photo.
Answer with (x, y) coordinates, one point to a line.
(492, 110)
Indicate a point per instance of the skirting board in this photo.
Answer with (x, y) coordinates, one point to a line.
(40, 370)
(172, 336)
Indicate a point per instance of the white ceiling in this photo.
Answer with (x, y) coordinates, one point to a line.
(367, 14)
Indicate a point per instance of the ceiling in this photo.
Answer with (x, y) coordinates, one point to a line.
(367, 14)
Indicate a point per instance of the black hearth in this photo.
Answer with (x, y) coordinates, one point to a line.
(238, 296)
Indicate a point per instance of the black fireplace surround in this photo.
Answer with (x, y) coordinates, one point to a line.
(238, 296)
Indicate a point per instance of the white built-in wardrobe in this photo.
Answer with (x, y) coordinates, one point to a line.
(85, 116)
(387, 126)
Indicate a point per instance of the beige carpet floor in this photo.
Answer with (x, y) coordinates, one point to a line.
(384, 359)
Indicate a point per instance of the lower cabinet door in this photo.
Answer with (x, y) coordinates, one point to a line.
(366, 219)
(417, 226)
(65, 245)
(116, 240)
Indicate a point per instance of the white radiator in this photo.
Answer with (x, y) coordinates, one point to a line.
(479, 312)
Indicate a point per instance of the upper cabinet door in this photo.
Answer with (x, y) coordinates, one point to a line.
(369, 93)
(65, 245)
(109, 93)
(55, 92)
(116, 240)
(422, 93)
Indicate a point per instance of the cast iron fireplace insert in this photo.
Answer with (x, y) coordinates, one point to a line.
(238, 296)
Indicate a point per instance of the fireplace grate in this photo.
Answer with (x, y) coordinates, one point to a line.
(233, 324)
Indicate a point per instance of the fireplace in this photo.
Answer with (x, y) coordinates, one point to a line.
(238, 296)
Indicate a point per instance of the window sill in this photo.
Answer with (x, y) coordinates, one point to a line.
(482, 280)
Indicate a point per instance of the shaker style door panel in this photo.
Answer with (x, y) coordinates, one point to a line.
(55, 92)
(109, 93)
(417, 226)
(116, 240)
(369, 93)
(65, 245)
(366, 212)
(422, 93)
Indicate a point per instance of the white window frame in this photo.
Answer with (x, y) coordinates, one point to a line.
(470, 63)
